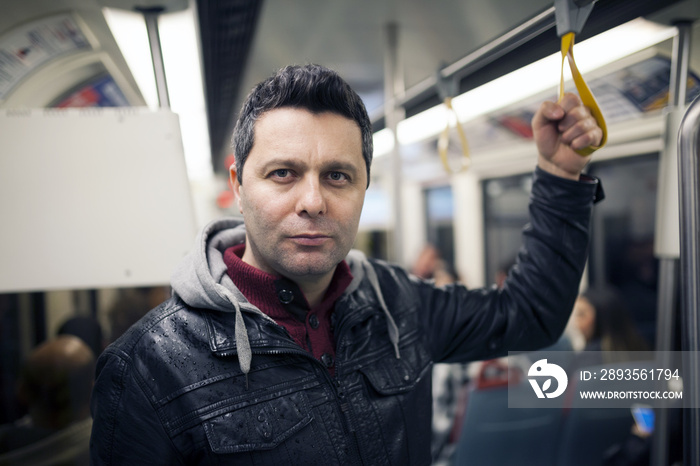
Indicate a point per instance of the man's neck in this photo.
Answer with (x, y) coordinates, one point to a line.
(314, 289)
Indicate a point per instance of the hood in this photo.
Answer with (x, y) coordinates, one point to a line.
(201, 280)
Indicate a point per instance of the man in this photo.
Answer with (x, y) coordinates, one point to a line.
(55, 385)
(282, 346)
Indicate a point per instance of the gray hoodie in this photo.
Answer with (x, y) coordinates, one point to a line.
(201, 280)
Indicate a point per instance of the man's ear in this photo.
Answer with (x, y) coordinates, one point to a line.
(235, 186)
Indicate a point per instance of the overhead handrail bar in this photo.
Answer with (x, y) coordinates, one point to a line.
(501, 45)
(477, 59)
(689, 183)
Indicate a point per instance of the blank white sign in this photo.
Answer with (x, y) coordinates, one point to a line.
(91, 199)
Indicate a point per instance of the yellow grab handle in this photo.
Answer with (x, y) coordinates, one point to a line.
(444, 142)
(567, 50)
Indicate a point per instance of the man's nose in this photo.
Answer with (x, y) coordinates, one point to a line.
(311, 200)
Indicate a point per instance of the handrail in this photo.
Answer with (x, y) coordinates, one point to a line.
(477, 59)
(689, 200)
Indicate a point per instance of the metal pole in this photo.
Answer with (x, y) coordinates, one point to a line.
(689, 173)
(151, 17)
(393, 85)
(666, 312)
(667, 220)
(678, 87)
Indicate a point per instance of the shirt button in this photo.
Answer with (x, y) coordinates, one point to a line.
(327, 359)
(313, 321)
(285, 296)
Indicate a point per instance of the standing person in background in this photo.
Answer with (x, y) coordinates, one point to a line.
(55, 385)
(283, 346)
(430, 266)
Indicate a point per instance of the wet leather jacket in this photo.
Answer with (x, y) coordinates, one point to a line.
(172, 391)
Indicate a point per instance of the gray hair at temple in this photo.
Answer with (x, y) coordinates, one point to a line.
(311, 87)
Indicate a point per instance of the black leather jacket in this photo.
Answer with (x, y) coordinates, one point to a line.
(173, 391)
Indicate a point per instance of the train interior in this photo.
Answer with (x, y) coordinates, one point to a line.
(116, 118)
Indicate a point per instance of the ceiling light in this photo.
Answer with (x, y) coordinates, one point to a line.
(179, 42)
(539, 76)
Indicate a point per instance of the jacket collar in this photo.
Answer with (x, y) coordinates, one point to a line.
(201, 281)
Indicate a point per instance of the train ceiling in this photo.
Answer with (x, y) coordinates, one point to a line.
(244, 41)
(349, 36)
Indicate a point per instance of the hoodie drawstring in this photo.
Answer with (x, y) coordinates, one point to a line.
(245, 354)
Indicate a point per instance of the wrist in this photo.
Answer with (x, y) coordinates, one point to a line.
(556, 170)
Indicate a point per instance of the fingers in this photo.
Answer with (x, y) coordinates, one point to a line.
(555, 111)
(547, 113)
(570, 101)
(578, 128)
(583, 133)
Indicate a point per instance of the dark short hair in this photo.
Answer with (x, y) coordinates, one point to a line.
(311, 87)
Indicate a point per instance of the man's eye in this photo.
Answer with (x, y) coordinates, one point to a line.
(281, 173)
(337, 176)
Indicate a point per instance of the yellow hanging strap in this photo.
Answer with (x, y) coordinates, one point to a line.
(444, 142)
(567, 50)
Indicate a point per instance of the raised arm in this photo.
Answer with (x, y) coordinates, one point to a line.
(532, 309)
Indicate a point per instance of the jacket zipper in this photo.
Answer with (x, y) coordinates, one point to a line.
(344, 403)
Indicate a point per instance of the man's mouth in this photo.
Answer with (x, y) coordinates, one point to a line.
(310, 239)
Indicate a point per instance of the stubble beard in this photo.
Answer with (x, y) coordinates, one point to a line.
(295, 264)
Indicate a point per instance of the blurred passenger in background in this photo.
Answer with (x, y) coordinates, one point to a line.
(602, 317)
(281, 345)
(502, 272)
(87, 329)
(55, 385)
(132, 304)
(636, 449)
(431, 266)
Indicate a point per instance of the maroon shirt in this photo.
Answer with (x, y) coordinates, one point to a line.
(283, 301)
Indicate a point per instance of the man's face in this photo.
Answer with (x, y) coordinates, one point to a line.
(301, 193)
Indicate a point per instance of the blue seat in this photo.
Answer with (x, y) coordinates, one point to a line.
(493, 434)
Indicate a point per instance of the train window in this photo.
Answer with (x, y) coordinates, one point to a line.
(505, 215)
(439, 208)
(374, 243)
(11, 344)
(622, 244)
(373, 237)
(622, 240)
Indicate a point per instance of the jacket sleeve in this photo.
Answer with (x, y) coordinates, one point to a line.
(532, 309)
(126, 428)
